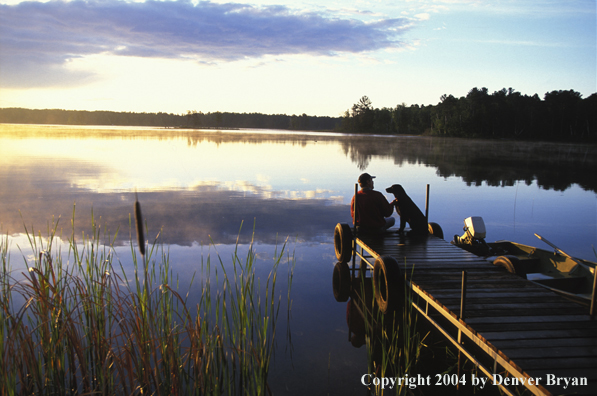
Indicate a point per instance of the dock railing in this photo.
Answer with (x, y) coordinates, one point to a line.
(456, 331)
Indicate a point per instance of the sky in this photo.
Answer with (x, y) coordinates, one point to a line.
(288, 57)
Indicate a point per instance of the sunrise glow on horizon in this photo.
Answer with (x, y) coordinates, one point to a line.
(282, 57)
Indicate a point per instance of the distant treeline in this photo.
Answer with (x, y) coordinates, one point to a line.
(559, 116)
(257, 120)
(504, 114)
(190, 120)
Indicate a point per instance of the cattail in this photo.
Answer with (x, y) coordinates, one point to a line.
(139, 224)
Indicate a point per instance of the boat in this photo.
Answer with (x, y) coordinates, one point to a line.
(556, 270)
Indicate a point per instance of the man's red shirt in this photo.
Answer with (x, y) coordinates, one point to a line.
(372, 208)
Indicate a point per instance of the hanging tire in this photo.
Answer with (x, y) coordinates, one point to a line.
(343, 242)
(512, 264)
(388, 284)
(341, 282)
(436, 230)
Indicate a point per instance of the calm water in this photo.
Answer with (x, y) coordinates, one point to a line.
(194, 185)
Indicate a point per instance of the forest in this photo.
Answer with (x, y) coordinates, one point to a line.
(192, 119)
(504, 114)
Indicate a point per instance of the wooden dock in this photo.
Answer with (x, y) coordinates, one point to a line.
(511, 327)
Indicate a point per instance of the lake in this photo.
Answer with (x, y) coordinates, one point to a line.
(196, 187)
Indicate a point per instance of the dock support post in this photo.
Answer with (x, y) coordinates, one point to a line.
(354, 246)
(593, 297)
(463, 295)
(427, 205)
(354, 223)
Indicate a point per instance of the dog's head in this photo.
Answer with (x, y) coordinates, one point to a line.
(396, 189)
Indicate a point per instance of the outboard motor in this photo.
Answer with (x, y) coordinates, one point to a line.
(474, 232)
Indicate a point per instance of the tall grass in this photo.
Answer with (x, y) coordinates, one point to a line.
(75, 324)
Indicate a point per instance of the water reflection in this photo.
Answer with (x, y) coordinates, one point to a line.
(496, 163)
(183, 217)
(196, 184)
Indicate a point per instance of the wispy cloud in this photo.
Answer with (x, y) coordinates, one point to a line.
(535, 8)
(37, 40)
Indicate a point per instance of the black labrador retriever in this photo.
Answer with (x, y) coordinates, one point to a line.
(408, 211)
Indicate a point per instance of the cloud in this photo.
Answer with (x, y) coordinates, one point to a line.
(38, 40)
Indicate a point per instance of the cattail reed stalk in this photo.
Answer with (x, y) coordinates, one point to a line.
(139, 225)
(141, 243)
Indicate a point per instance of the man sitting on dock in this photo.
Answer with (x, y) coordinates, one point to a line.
(373, 209)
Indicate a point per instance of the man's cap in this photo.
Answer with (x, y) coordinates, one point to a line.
(364, 177)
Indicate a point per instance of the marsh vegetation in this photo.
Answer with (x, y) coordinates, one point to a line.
(75, 323)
